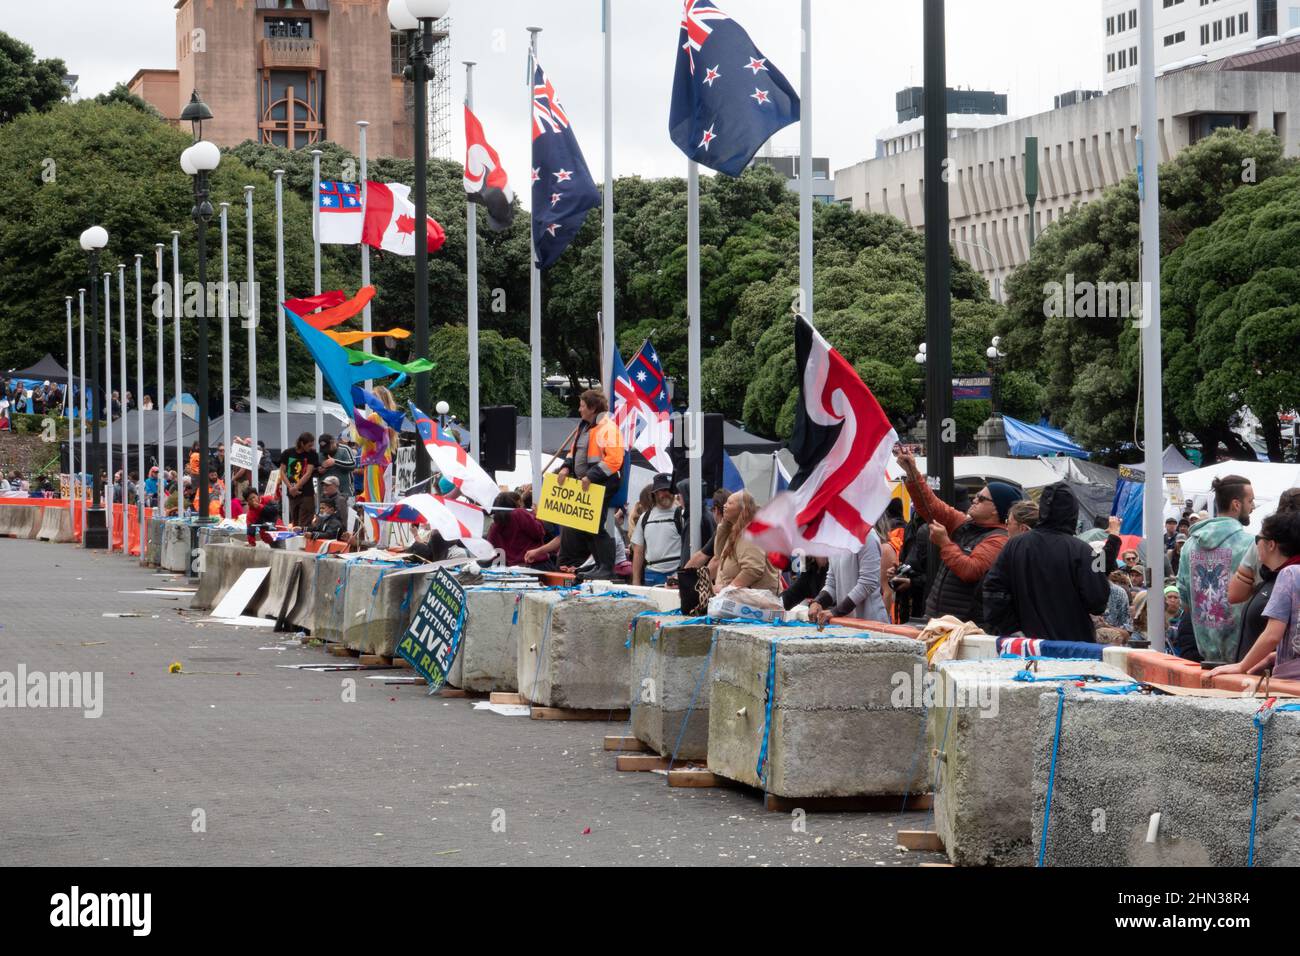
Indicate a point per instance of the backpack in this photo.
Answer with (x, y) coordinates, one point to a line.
(679, 521)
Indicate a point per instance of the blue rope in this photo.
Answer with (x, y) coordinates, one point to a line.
(406, 601)
(1051, 775)
(1261, 718)
(1026, 677)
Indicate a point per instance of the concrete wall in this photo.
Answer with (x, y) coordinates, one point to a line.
(669, 671)
(1121, 759)
(489, 653)
(222, 566)
(835, 731)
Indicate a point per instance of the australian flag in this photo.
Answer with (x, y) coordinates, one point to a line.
(563, 190)
(728, 99)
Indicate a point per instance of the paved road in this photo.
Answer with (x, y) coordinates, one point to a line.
(286, 772)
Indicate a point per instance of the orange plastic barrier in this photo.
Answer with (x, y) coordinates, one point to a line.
(898, 630)
(76, 521)
(1156, 668)
(115, 539)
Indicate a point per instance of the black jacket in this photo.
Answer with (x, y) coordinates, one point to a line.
(1047, 583)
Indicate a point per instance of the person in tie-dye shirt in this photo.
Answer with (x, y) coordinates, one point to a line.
(1279, 644)
(1210, 557)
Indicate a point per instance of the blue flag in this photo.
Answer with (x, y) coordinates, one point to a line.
(563, 190)
(728, 99)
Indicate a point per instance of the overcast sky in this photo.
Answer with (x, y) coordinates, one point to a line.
(863, 52)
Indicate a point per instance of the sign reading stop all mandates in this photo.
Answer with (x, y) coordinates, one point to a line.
(569, 506)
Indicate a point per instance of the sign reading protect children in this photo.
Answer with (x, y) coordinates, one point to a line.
(569, 506)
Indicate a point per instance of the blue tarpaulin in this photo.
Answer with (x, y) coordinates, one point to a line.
(1028, 441)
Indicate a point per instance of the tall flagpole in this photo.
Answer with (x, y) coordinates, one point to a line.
(225, 354)
(805, 168)
(607, 245)
(161, 305)
(695, 429)
(110, 488)
(139, 401)
(124, 419)
(534, 307)
(254, 305)
(176, 372)
(1152, 411)
(471, 290)
(279, 311)
(365, 249)
(315, 235)
(67, 413)
(82, 406)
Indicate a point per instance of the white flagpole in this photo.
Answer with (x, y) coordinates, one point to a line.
(1152, 410)
(365, 249)
(161, 400)
(315, 231)
(176, 343)
(607, 247)
(279, 309)
(225, 353)
(805, 168)
(67, 413)
(695, 430)
(471, 290)
(535, 308)
(109, 487)
(82, 406)
(254, 304)
(139, 402)
(124, 418)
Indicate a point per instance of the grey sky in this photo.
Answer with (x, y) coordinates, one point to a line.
(863, 52)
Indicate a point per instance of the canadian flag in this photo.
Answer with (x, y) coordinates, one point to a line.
(390, 220)
(842, 441)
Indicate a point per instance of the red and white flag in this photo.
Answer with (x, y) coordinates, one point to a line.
(842, 442)
(454, 520)
(390, 220)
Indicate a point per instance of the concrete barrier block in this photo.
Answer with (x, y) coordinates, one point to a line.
(329, 597)
(670, 685)
(153, 550)
(176, 554)
(378, 606)
(221, 566)
(20, 521)
(1192, 760)
(835, 730)
(572, 649)
(981, 738)
(665, 599)
(489, 652)
(302, 605)
(56, 525)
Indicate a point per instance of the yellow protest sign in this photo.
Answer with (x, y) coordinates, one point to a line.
(568, 505)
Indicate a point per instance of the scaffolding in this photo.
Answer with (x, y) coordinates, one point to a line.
(439, 112)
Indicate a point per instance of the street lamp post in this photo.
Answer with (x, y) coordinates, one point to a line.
(416, 18)
(95, 532)
(198, 161)
(995, 356)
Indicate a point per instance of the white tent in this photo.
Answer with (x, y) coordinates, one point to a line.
(1268, 479)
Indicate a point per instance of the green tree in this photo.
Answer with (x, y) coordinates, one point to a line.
(26, 83)
(1088, 366)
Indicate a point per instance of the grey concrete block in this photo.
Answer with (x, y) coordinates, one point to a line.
(329, 599)
(271, 598)
(669, 663)
(20, 521)
(221, 567)
(489, 652)
(176, 544)
(1123, 758)
(153, 547)
(981, 726)
(835, 732)
(572, 649)
(56, 525)
(378, 606)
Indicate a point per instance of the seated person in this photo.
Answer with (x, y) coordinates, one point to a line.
(327, 525)
(259, 512)
(739, 562)
(514, 531)
(852, 587)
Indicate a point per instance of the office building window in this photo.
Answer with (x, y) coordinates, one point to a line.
(1243, 21)
(1205, 34)
(295, 28)
(1267, 18)
(1173, 38)
(1110, 26)
(1123, 59)
(1110, 62)
(400, 50)
(1218, 30)
(1132, 56)
(1132, 19)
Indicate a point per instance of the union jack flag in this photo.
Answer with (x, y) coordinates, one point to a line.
(695, 21)
(547, 110)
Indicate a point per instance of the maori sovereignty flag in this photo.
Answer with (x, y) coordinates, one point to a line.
(485, 178)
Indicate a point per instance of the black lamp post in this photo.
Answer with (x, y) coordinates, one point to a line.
(198, 161)
(95, 533)
(416, 18)
(995, 356)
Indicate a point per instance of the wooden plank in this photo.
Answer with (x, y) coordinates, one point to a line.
(402, 663)
(695, 777)
(920, 840)
(501, 697)
(340, 650)
(457, 692)
(625, 744)
(948, 865)
(867, 803)
(375, 659)
(564, 713)
(640, 762)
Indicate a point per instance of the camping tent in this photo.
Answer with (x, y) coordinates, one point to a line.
(1093, 485)
(189, 407)
(1174, 463)
(1026, 440)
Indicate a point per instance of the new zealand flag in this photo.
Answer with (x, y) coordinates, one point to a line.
(728, 99)
(563, 190)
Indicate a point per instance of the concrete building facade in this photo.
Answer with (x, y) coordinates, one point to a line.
(1082, 149)
(288, 72)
